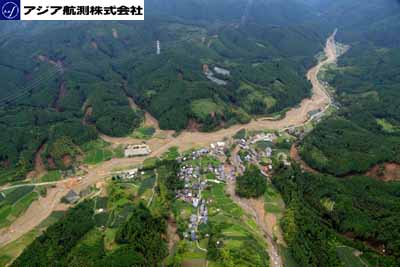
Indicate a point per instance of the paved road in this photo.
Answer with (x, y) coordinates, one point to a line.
(4, 188)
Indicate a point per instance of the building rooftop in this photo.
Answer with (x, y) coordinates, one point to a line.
(137, 150)
(72, 196)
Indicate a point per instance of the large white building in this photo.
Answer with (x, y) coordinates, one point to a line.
(222, 71)
(137, 150)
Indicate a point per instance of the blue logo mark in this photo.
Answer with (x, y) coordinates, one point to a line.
(10, 10)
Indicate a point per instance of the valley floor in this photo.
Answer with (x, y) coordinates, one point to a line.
(162, 141)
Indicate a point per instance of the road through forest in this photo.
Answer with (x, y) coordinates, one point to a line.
(164, 140)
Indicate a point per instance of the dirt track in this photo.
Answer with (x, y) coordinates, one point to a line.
(34, 215)
(40, 168)
(320, 99)
(41, 209)
(256, 209)
(266, 222)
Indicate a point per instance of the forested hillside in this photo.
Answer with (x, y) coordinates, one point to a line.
(68, 81)
(354, 210)
(366, 83)
(138, 241)
(367, 130)
(220, 63)
(324, 212)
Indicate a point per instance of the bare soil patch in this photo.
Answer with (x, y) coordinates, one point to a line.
(34, 215)
(57, 64)
(67, 160)
(266, 222)
(385, 172)
(42, 208)
(52, 163)
(93, 44)
(88, 113)
(294, 155)
(173, 237)
(193, 126)
(40, 167)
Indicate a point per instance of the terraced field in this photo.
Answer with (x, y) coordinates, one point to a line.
(14, 202)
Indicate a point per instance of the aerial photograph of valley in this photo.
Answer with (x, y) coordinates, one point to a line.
(212, 133)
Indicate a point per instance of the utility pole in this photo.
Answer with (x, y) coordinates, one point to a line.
(158, 47)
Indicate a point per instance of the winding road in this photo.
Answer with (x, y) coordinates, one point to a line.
(298, 116)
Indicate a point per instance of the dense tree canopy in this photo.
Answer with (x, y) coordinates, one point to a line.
(144, 233)
(323, 206)
(339, 146)
(75, 241)
(51, 248)
(252, 183)
(75, 79)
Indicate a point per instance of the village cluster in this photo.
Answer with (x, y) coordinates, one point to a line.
(195, 182)
(194, 179)
(251, 154)
(194, 175)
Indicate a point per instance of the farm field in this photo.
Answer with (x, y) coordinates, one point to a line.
(14, 202)
(229, 230)
(144, 133)
(273, 202)
(231, 237)
(110, 212)
(99, 151)
(12, 250)
(51, 176)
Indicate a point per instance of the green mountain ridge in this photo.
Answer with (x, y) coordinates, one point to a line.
(104, 63)
(68, 82)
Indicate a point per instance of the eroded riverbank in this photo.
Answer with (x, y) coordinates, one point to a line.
(320, 100)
